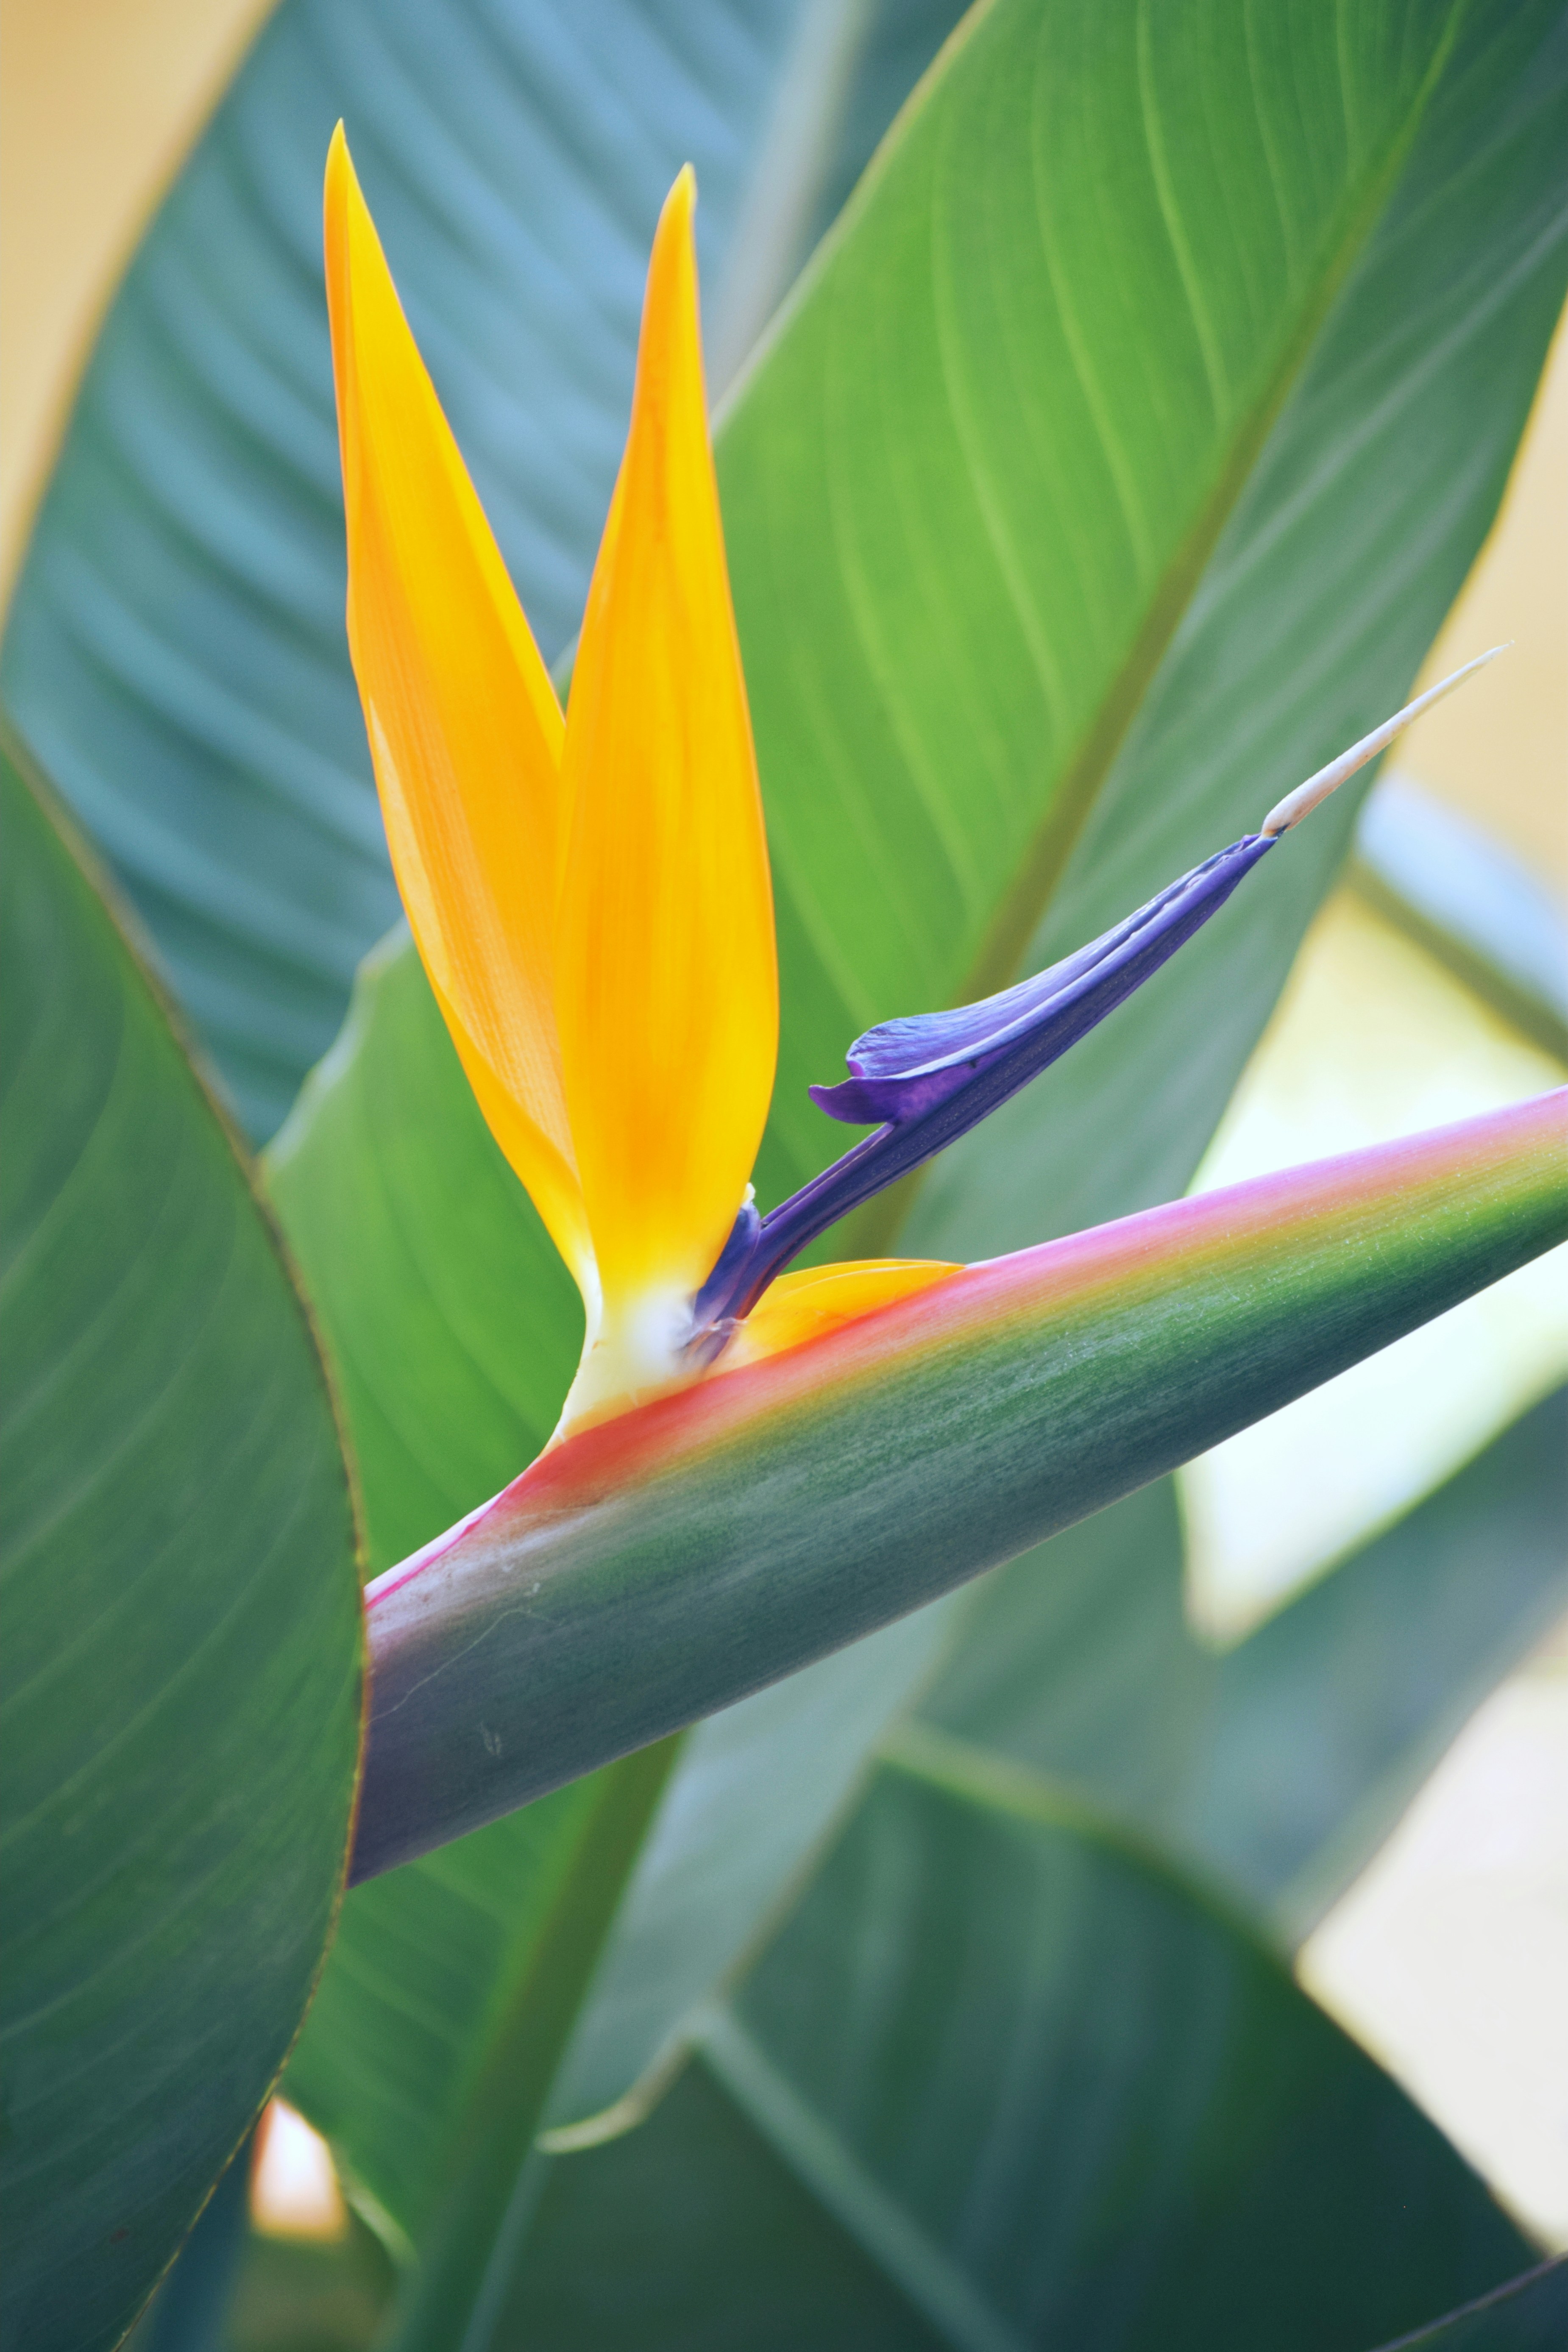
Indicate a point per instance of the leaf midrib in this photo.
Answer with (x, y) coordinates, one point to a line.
(815, 2153)
(812, 2148)
(1044, 861)
(874, 1229)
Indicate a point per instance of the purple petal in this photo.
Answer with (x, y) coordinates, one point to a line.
(905, 1067)
(930, 1076)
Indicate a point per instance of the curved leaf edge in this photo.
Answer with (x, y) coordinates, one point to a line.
(143, 959)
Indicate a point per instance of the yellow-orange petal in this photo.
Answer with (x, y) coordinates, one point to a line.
(666, 988)
(801, 1306)
(464, 729)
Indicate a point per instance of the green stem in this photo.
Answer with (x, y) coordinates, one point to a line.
(449, 2301)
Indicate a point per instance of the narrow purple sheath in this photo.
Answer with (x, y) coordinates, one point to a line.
(929, 1078)
(905, 1067)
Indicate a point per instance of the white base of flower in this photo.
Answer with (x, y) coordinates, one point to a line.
(631, 1354)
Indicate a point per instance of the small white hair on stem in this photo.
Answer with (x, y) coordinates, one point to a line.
(1306, 797)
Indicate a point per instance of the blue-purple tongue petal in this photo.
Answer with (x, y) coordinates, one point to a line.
(906, 1067)
(903, 1070)
(927, 1079)
(924, 1080)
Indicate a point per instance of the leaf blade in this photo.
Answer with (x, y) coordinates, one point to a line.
(183, 1672)
(1045, 2085)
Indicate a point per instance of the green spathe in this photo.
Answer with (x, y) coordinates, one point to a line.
(670, 1561)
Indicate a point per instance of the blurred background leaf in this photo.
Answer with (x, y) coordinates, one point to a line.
(182, 1689)
(1279, 1765)
(1044, 2089)
(1528, 2315)
(1470, 902)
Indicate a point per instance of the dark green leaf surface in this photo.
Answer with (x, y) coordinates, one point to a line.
(1333, 571)
(1280, 1765)
(181, 1678)
(758, 1788)
(422, 1976)
(472, 2216)
(176, 652)
(1528, 2315)
(694, 2233)
(1047, 2090)
(189, 2310)
(431, 1961)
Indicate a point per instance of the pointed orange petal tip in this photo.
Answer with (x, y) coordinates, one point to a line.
(666, 984)
(339, 192)
(464, 729)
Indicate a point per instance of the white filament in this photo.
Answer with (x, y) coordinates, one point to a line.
(1306, 797)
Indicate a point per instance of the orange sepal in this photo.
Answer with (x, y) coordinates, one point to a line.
(666, 990)
(466, 733)
(801, 1306)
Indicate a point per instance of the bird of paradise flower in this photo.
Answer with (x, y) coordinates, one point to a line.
(590, 892)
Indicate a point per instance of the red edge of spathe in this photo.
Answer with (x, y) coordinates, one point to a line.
(590, 1467)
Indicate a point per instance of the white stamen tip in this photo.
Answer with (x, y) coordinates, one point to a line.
(1306, 797)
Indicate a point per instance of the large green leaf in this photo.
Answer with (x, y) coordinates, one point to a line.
(527, 1975)
(487, 2143)
(182, 1681)
(1282, 1764)
(1528, 2315)
(1104, 471)
(176, 653)
(1008, 2080)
